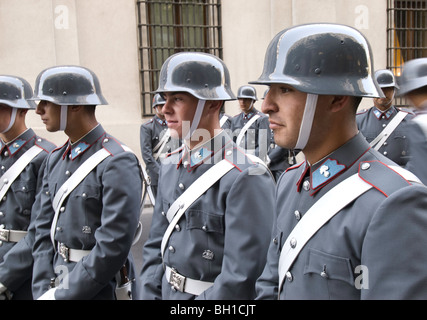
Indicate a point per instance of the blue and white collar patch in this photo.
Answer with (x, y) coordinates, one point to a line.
(383, 115)
(328, 170)
(78, 149)
(200, 156)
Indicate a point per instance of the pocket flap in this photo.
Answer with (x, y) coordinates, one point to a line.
(335, 267)
(208, 222)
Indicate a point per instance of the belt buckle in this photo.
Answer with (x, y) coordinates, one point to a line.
(177, 281)
(4, 235)
(64, 252)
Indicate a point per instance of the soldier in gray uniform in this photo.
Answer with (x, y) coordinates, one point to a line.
(213, 213)
(388, 136)
(250, 128)
(21, 155)
(90, 197)
(350, 223)
(413, 85)
(156, 142)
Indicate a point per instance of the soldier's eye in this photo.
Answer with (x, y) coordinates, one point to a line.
(285, 89)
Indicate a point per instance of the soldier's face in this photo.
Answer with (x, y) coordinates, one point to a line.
(179, 111)
(50, 114)
(5, 113)
(285, 106)
(384, 103)
(246, 105)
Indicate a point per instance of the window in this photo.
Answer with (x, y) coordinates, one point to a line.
(406, 34)
(166, 27)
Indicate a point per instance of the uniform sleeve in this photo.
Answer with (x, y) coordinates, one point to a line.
(152, 268)
(394, 251)
(146, 149)
(121, 197)
(248, 222)
(43, 250)
(17, 264)
(267, 284)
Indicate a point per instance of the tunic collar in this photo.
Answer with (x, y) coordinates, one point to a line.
(330, 167)
(203, 153)
(384, 114)
(76, 149)
(160, 121)
(248, 116)
(17, 144)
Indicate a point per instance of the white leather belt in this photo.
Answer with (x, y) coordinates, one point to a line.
(11, 235)
(184, 284)
(73, 255)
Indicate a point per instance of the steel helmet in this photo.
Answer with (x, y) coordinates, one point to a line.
(203, 75)
(385, 79)
(69, 85)
(247, 92)
(158, 100)
(321, 58)
(414, 76)
(15, 92)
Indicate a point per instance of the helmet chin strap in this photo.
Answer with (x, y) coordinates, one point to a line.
(63, 121)
(196, 119)
(307, 121)
(391, 99)
(12, 120)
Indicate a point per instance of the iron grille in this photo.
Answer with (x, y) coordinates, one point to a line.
(406, 35)
(166, 27)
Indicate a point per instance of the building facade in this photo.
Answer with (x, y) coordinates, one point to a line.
(126, 41)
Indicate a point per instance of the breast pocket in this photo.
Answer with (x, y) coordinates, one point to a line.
(87, 199)
(207, 222)
(329, 266)
(25, 193)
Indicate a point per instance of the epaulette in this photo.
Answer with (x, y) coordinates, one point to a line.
(148, 122)
(362, 111)
(45, 144)
(407, 110)
(113, 146)
(240, 159)
(381, 177)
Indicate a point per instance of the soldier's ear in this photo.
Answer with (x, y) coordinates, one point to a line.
(215, 105)
(75, 108)
(339, 102)
(22, 112)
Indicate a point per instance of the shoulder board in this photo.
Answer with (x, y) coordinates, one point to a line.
(236, 156)
(112, 145)
(148, 122)
(45, 144)
(362, 111)
(382, 177)
(407, 110)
